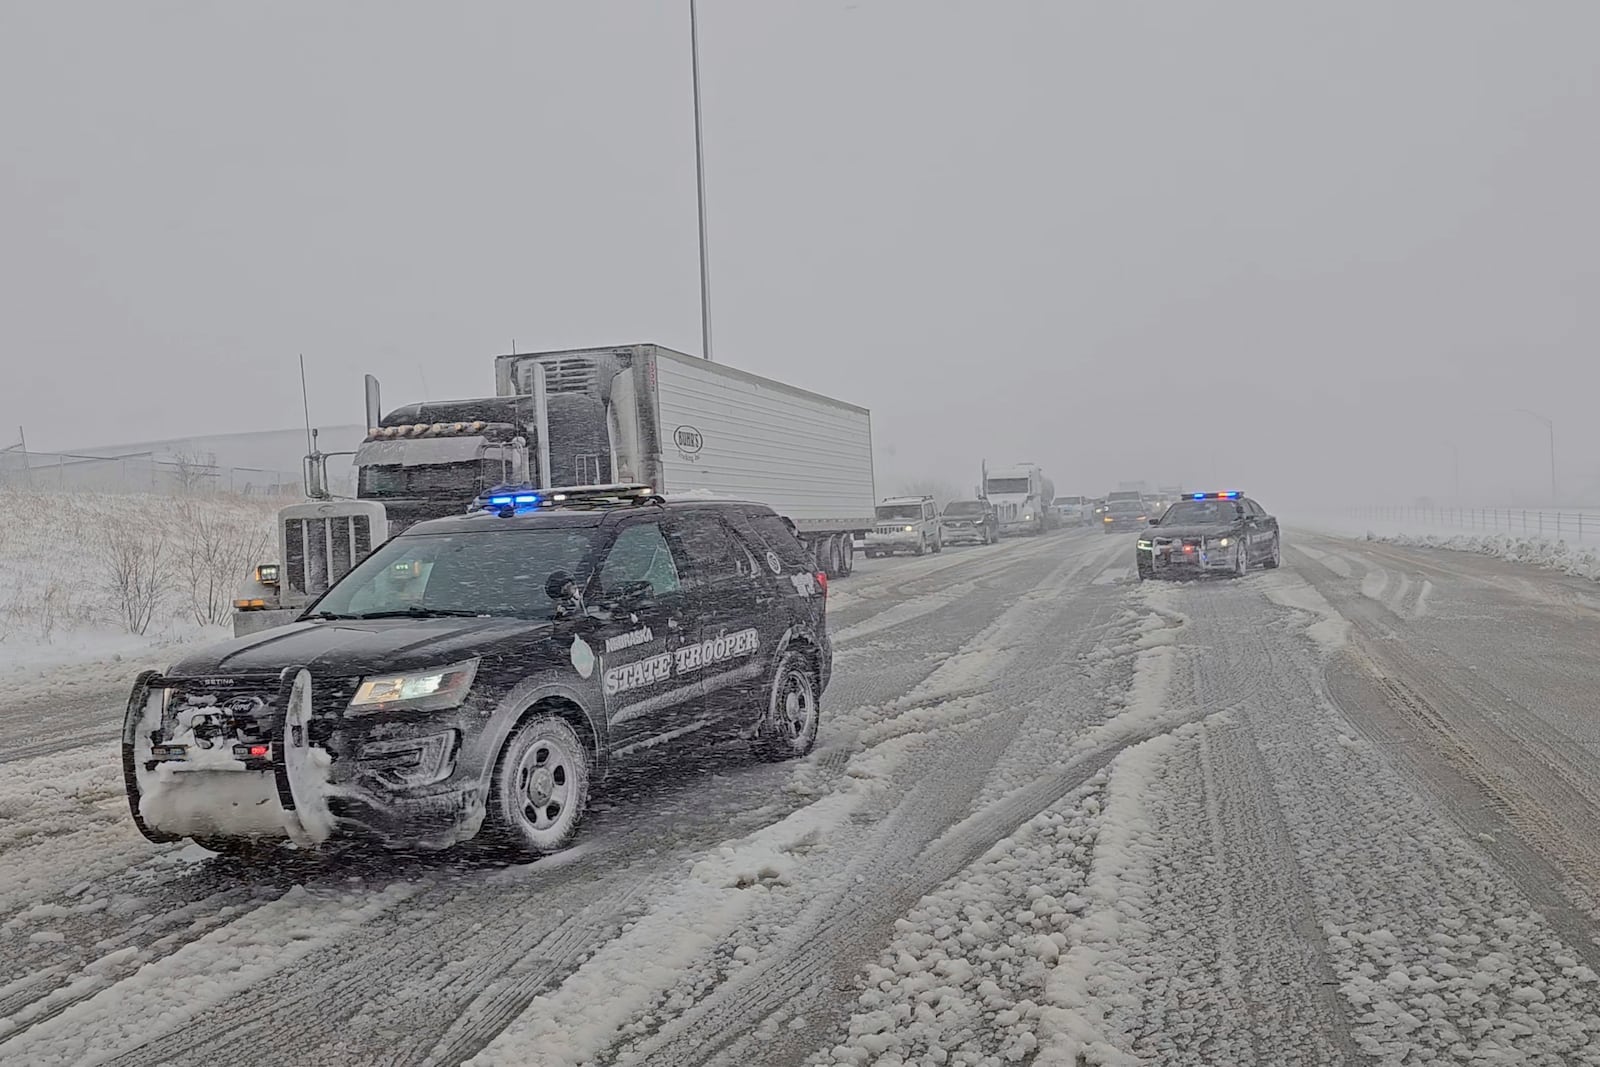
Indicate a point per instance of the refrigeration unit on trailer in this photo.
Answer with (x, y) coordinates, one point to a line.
(644, 413)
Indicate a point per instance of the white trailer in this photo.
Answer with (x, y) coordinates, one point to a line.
(644, 413)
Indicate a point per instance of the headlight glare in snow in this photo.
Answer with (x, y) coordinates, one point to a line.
(430, 690)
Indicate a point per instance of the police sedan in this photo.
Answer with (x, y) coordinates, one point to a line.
(1209, 533)
(481, 674)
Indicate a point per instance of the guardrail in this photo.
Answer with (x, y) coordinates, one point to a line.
(1579, 525)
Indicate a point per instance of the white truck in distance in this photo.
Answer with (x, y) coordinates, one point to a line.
(630, 413)
(1021, 496)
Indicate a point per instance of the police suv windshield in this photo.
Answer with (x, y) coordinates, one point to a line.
(499, 573)
(1201, 512)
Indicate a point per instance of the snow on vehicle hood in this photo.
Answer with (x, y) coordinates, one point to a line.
(356, 647)
(1209, 529)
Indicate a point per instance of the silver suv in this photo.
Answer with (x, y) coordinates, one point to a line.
(905, 524)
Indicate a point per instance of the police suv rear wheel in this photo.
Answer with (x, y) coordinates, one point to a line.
(542, 786)
(788, 730)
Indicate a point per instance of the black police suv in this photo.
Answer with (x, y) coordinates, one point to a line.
(481, 673)
(1209, 533)
(972, 521)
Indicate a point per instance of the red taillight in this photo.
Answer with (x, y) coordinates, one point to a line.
(257, 751)
(822, 581)
(1188, 548)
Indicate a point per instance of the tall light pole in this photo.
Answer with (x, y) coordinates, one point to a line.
(700, 186)
(1551, 426)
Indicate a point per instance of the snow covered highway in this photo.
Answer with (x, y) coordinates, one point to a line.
(1347, 811)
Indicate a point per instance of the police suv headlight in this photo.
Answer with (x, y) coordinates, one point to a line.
(1146, 544)
(431, 690)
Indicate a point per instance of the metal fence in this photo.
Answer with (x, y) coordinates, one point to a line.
(141, 472)
(1580, 525)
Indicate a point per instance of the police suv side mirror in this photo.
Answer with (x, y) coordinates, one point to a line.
(1156, 521)
(559, 586)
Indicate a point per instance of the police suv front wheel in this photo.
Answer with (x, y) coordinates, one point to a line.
(541, 787)
(789, 726)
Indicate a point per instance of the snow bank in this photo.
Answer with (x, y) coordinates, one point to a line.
(55, 605)
(1551, 555)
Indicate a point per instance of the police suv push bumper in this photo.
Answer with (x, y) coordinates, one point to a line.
(1192, 555)
(311, 775)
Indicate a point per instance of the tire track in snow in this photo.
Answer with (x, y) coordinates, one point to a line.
(925, 842)
(1437, 954)
(197, 978)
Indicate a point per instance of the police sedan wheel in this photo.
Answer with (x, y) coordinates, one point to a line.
(1241, 565)
(543, 785)
(790, 729)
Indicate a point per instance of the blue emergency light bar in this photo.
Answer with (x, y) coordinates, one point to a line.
(510, 500)
(1232, 494)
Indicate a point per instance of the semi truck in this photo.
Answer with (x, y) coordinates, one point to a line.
(1021, 495)
(622, 414)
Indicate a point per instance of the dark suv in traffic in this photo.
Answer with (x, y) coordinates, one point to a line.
(481, 674)
(970, 522)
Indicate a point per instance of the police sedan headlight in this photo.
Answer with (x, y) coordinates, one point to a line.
(430, 690)
(1220, 542)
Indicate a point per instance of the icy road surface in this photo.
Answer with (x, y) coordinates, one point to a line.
(1347, 812)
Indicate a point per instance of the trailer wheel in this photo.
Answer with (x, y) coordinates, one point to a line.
(847, 555)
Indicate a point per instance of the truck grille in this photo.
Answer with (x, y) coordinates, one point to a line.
(320, 551)
(901, 528)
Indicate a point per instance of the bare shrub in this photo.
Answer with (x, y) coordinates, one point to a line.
(136, 565)
(216, 547)
(193, 471)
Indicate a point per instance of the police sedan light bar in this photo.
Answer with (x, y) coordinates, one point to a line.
(1231, 494)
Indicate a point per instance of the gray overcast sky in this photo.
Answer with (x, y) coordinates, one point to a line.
(1303, 247)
